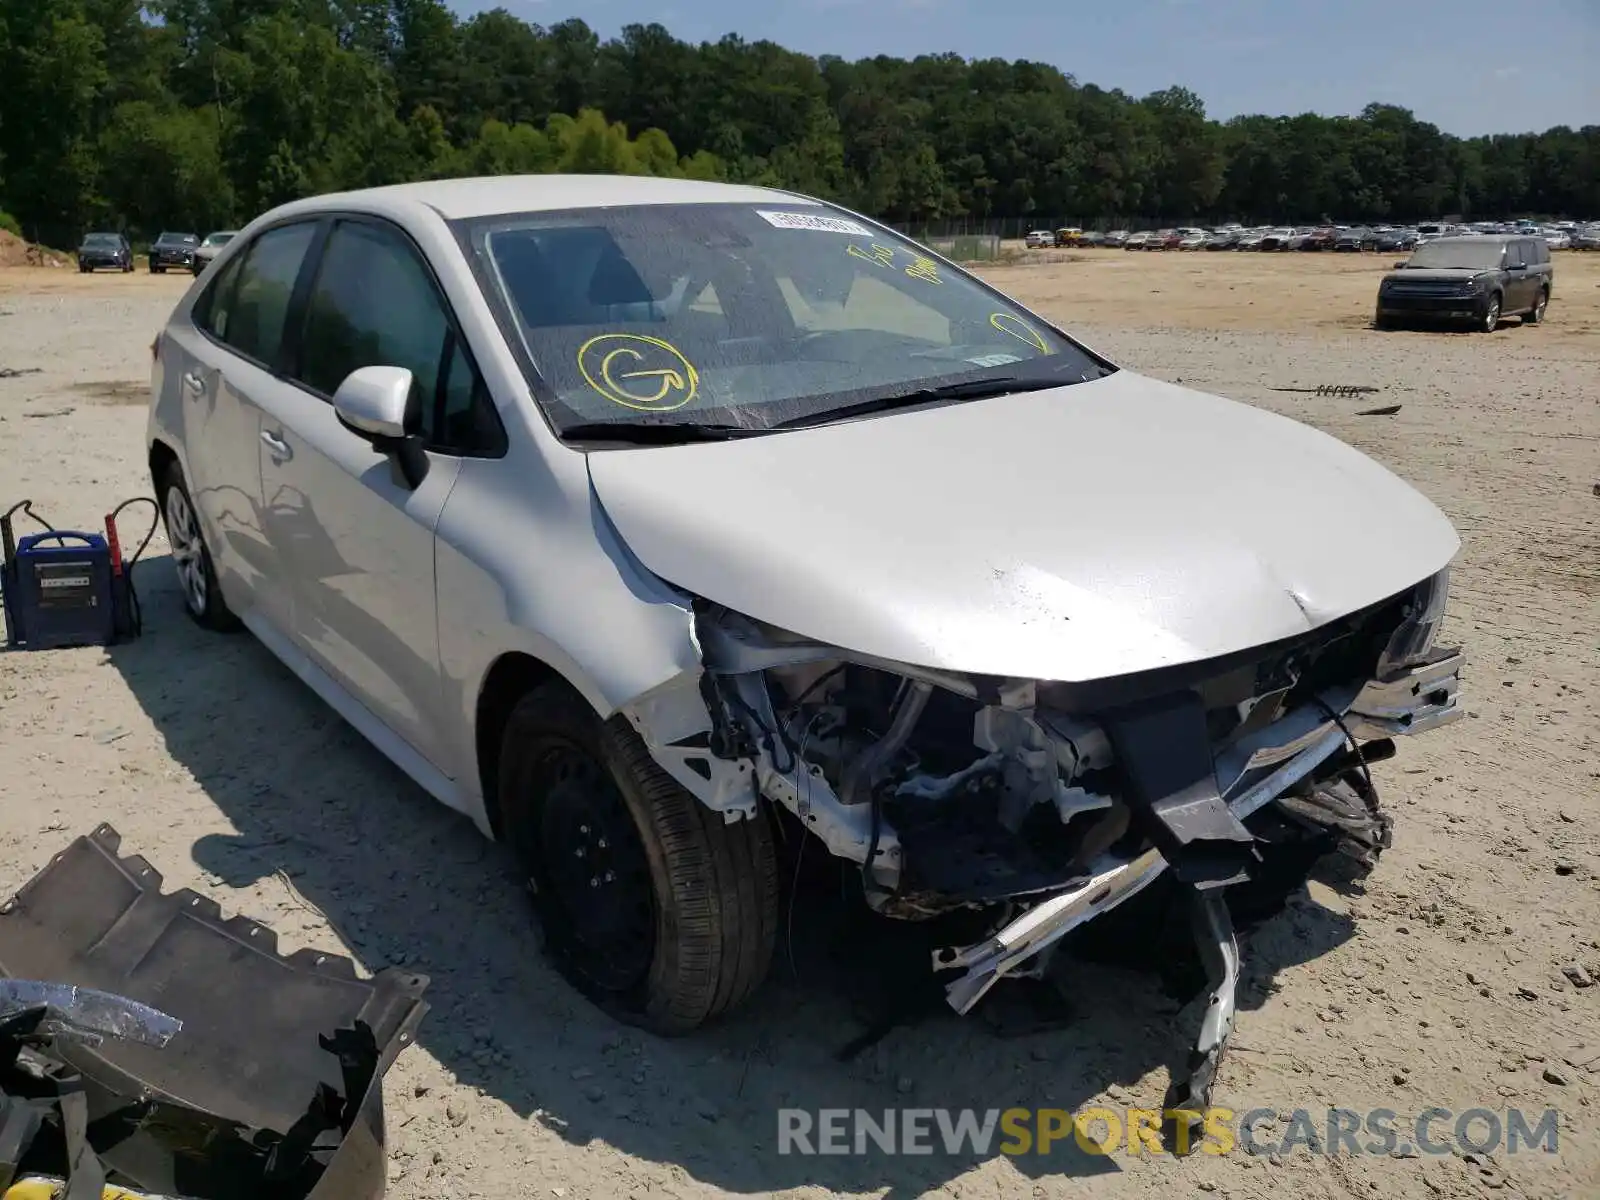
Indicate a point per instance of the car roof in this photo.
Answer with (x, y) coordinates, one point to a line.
(456, 199)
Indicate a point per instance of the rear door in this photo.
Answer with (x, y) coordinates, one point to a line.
(358, 541)
(220, 363)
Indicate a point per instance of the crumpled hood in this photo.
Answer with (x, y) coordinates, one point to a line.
(1074, 534)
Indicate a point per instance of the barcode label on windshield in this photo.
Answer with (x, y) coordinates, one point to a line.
(817, 224)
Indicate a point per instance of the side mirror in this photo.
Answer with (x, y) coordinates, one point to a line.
(376, 404)
(375, 401)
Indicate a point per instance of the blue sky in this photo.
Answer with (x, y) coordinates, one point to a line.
(1469, 66)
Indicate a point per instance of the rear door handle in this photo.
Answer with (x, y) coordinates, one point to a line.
(279, 447)
(194, 383)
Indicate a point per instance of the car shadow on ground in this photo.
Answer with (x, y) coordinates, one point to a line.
(402, 880)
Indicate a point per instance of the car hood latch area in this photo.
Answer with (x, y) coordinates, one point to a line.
(1166, 758)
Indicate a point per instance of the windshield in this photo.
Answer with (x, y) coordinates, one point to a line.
(1450, 255)
(178, 239)
(102, 239)
(742, 315)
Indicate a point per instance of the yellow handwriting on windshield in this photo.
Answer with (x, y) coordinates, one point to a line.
(1018, 328)
(878, 256)
(638, 372)
(924, 269)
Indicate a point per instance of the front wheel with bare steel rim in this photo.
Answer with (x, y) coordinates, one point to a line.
(1491, 314)
(1535, 315)
(651, 904)
(197, 574)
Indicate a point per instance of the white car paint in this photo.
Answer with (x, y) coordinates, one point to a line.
(1105, 528)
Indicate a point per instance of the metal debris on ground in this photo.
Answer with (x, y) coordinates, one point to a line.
(1388, 410)
(1333, 389)
(13, 372)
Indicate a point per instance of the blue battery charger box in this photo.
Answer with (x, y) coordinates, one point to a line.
(59, 591)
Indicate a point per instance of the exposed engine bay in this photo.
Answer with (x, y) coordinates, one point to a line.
(1046, 804)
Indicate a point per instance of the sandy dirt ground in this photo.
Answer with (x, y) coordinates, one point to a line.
(1441, 986)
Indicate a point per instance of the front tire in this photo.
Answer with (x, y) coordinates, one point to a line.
(197, 574)
(652, 906)
(1491, 314)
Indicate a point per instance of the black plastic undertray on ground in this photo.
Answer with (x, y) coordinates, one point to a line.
(252, 1049)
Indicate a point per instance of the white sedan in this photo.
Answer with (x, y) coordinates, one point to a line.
(658, 525)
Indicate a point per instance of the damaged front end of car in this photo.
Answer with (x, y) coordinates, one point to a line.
(151, 1048)
(1045, 805)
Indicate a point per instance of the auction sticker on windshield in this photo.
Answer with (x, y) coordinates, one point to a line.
(817, 224)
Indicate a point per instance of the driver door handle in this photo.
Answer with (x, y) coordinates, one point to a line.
(194, 383)
(279, 447)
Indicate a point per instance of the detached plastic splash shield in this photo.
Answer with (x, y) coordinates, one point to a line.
(272, 1088)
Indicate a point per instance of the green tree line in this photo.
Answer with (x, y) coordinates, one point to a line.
(198, 114)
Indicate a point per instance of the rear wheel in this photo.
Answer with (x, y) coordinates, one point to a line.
(651, 905)
(1536, 314)
(197, 574)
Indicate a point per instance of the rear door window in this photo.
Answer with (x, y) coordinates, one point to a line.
(247, 305)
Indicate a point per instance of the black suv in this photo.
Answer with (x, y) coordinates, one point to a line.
(173, 250)
(1470, 279)
(99, 250)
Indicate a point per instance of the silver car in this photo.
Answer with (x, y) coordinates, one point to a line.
(210, 246)
(653, 524)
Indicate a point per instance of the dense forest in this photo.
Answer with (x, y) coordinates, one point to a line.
(198, 114)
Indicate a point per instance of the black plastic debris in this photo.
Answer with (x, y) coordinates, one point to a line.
(175, 1052)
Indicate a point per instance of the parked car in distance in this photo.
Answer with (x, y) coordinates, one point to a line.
(1557, 239)
(1068, 235)
(489, 463)
(102, 250)
(1397, 239)
(1192, 239)
(1116, 238)
(172, 250)
(1039, 239)
(1282, 238)
(1587, 238)
(1136, 241)
(1474, 279)
(1223, 239)
(1250, 239)
(208, 248)
(1359, 238)
(1090, 238)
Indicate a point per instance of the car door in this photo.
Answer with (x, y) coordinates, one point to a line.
(221, 364)
(1518, 276)
(359, 541)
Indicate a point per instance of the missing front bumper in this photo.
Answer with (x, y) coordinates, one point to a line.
(1415, 698)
